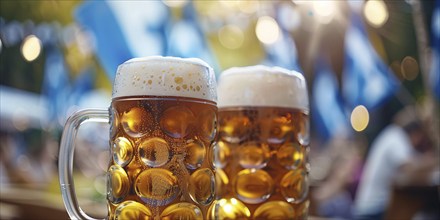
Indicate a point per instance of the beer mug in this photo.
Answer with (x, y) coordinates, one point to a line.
(261, 152)
(163, 119)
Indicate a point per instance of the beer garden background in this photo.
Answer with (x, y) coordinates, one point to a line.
(363, 60)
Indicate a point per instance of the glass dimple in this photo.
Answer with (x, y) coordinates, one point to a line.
(202, 186)
(221, 183)
(253, 186)
(114, 125)
(132, 210)
(157, 187)
(118, 184)
(229, 209)
(254, 155)
(294, 186)
(154, 152)
(290, 155)
(234, 129)
(182, 211)
(133, 121)
(177, 121)
(122, 151)
(274, 210)
(207, 120)
(222, 154)
(303, 127)
(275, 130)
(195, 154)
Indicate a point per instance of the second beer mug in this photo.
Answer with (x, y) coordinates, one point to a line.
(261, 153)
(163, 120)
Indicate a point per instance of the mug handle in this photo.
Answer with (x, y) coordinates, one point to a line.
(65, 160)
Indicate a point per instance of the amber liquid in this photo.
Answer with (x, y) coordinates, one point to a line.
(161, 158)
(261, 163)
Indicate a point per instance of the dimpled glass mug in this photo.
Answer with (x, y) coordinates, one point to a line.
(261, 152)
(163, 119)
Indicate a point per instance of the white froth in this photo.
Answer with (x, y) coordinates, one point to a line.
(262, 86)
(165, 76)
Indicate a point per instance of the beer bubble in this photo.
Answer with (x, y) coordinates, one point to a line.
(208, 125)
(234, 129)
(222, 154)
(177, 121)
(254, 155)
(228, 209)
(132, 210)
(274, 210)
(195, 154)
(202, 186)
(133, 121)
(253, 186)
(182, 211)
(290, 155)
(154, 152)
(157, 187)
(122, 151)
(118, 184)
(294, 186)
(303, 127)
(221, 182)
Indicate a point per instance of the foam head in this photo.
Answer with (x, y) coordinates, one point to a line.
(262, 86)
(165, 76)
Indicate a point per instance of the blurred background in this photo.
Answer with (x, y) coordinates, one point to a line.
(364, 61)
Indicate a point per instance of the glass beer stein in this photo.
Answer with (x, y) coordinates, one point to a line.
(163, 118)
(261, 152)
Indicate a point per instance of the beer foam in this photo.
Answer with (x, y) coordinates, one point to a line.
(262, 86)
(165, 76)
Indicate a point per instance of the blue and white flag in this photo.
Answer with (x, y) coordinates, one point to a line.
(367, 80)
(124, 29)
(328, 111)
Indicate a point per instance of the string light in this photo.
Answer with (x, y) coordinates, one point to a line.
(31, 48)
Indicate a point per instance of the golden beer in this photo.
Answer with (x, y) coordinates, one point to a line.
(261, 152)
(163, 125)
(160, 165)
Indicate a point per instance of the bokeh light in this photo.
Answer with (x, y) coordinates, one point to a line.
(267, 30)
(325, 10)
(360, 118)
(410, 68)
(231, 36)
(376, 13)
(31, 48)
(175, 3)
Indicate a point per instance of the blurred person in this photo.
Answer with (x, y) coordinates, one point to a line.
(402, 154)
(335, 192)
